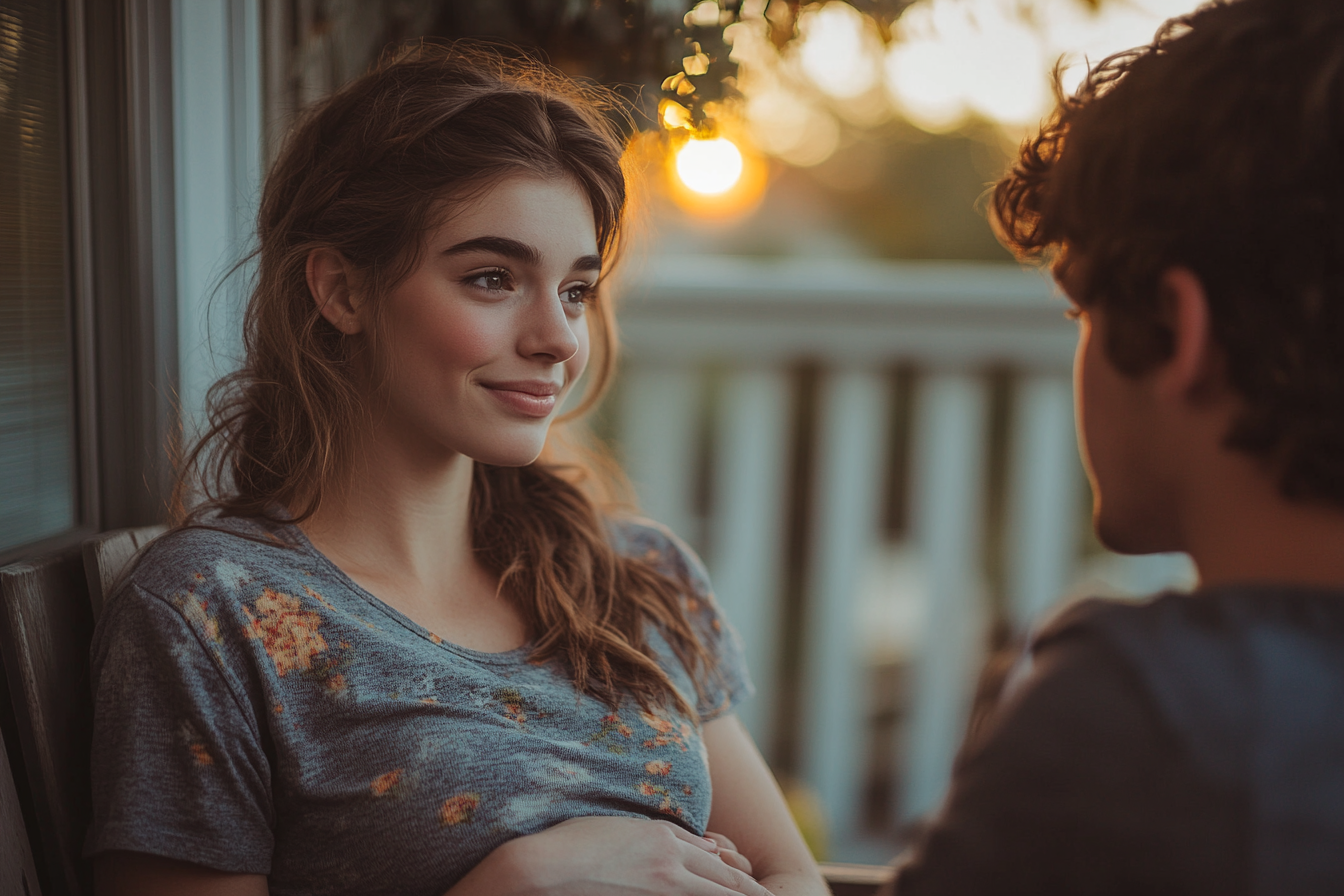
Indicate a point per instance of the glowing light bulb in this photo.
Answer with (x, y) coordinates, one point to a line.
(711, 166)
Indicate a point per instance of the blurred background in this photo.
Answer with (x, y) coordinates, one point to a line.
(836, 385)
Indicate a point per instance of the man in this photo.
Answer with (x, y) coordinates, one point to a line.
(1191, 198)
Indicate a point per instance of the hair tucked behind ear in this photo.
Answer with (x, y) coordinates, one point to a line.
(364, 173)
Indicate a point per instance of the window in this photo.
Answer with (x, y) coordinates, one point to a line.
(37, 456)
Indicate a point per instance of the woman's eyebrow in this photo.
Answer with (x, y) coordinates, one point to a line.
(517, 250)
(500, 245)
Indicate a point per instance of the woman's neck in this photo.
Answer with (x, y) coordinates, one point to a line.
(398, 516)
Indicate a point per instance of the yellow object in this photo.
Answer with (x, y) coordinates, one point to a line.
(710, 166)
(808, 814)
(674, 115)
(697, 63)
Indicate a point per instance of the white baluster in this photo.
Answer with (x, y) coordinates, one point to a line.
(1044, 504)
(659, 423)
(746, 544)
(948, 476)
(845, 514)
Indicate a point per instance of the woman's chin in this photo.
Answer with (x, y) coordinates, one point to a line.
(517, 455)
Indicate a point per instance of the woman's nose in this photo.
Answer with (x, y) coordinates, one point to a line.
(549, 332)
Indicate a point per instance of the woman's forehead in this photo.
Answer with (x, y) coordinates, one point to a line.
(551, 215)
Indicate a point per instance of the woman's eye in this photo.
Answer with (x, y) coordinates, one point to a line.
(494, 281)
(579, 294)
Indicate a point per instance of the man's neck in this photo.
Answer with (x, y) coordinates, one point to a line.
(1240, 529)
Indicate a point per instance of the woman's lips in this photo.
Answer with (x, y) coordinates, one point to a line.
(531, 399)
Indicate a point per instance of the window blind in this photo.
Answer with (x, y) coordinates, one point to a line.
(37, 457)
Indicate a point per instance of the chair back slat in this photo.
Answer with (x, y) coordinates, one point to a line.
(106, 557)
(46, 626)
(18, 875)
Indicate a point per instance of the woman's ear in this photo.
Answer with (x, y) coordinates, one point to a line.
(332, 280)
(1195, 371)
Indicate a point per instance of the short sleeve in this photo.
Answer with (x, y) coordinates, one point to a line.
(178, 769)
(729, 682)
(1074, 785)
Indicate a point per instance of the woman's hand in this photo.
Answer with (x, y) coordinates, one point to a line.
(612, 856)
(727, 851)
(749, 806)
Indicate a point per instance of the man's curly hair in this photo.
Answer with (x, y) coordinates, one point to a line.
(1218, 147)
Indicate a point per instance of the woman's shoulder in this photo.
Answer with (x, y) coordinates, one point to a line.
(642, 538)
(215, 548)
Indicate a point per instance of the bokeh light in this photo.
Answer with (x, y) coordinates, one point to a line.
(837, 48)
(709, 166)
(943, 65)
(790, 128)
(951, 59)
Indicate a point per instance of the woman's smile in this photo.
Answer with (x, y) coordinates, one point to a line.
(530, 398)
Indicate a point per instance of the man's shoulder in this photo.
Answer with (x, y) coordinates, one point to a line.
(1163, 627)
(1100, 614)
(1203, 628)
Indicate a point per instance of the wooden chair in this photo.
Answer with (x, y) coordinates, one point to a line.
(18, 875)
(855, 880)
(46, 625)
(106, 557)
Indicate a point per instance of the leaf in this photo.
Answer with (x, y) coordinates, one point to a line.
(695, 65)
(674, 115)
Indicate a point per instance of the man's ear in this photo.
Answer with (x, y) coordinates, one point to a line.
(1194, 372)
(333, 282)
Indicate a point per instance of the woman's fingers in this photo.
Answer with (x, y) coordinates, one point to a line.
(716, 871)
(724, 842)
(728, 852)
(735, 859)
(704, 843)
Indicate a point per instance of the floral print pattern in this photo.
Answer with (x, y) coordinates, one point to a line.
(288, 632)
(387, 784)
(667, 804)
(667, 732)
(517, 708)
(611, 726)
(459, 809)
(189, 736)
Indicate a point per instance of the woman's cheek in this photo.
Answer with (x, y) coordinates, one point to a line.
(466, 339)
(575, 366)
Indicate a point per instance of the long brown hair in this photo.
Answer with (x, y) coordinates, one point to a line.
(365, 172)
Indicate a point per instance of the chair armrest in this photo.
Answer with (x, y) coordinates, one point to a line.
(855, 880)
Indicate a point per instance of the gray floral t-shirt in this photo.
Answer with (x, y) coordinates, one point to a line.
(257, 711)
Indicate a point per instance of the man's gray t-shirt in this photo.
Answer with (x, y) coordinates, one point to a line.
(257, 711)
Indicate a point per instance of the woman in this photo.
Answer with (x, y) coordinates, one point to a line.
(393, 652)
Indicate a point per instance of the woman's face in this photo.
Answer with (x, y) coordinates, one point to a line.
(478, 347)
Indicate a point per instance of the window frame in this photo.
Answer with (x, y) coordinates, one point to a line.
(121, 289)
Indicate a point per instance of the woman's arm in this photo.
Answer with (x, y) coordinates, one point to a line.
(580, 857)
(749, 809)
(140, 874)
